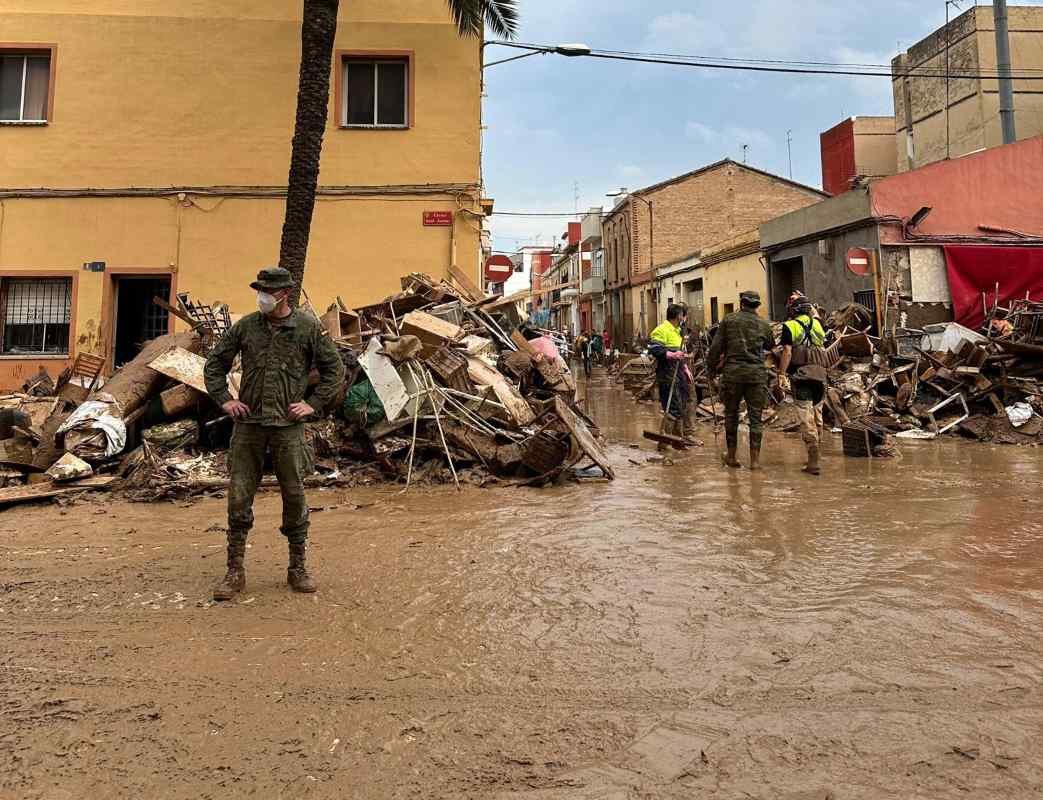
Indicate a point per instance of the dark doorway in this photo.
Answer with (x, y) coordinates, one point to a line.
(715, 315)
(787, 276)
(137, 318)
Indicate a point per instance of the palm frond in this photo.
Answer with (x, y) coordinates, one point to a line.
(471, 17)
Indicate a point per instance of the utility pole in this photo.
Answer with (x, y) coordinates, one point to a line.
(789, 151)
(999, 11)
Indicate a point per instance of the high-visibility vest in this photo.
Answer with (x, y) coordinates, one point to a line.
(668, 336)
(807, 331)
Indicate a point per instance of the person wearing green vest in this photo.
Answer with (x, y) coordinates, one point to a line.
(801, 337)
(740, 344)
(672, 373)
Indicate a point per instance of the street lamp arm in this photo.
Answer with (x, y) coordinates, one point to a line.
(516, 58)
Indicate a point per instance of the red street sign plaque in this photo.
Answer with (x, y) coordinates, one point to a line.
(498, 268)
(858, 261)
(438, 217)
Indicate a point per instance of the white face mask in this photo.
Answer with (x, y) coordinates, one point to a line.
(266, 302)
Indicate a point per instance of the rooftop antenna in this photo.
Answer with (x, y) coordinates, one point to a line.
(789, 151)
(745, 150)
(575, 189)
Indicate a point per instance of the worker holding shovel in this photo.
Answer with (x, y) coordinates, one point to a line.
(672, 373)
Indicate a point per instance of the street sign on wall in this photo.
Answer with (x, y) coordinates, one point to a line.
(858, 261)
(439, 218)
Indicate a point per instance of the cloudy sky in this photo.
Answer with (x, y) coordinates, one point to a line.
(554, 122)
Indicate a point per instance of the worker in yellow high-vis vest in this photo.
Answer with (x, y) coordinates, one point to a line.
(797, 369)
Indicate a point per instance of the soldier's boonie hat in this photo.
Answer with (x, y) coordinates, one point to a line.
(273, 278)
(750, 297)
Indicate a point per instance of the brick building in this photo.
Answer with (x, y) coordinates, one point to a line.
(666, 221)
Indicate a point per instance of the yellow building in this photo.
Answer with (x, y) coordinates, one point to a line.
(731, 267)
(144, 149)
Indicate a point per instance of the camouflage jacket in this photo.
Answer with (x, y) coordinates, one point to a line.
(276, 361)
(742, 339)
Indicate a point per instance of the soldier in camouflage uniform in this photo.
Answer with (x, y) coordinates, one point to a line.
(741, 342)
(279, 346)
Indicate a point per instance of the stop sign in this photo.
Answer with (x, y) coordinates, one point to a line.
(498, 268)
(858, 260)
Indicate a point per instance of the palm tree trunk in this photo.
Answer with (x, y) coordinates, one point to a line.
(318, 29)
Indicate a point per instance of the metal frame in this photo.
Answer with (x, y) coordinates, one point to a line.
(376, 62)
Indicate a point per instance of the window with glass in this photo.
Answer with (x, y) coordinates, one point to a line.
(24, 86)
(36, 314)
(376, 93)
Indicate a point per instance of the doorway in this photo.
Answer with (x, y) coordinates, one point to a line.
(137, 318)
(787, 276)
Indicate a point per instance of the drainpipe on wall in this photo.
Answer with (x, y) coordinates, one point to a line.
(999, 11)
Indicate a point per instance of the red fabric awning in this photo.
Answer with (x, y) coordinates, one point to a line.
(976, 269)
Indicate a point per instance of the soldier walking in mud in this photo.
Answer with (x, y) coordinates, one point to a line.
(279, 347)
(740, 344)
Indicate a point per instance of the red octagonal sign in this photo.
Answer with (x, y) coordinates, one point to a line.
(498, 268)
(858, 260)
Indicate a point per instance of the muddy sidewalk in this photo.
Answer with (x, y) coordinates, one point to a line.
(686, 631)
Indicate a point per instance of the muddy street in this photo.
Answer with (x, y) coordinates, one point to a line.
(686, 631)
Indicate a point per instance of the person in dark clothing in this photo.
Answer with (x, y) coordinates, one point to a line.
(739, 346)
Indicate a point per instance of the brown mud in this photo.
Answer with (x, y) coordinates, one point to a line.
(686, 631)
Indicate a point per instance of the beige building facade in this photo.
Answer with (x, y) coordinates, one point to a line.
(937, 118)
(151, 141)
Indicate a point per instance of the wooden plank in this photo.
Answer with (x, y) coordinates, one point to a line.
(187, 367)
(474, 293)
(42, 491)
(664, 438)
(583, 437)
(484, 375)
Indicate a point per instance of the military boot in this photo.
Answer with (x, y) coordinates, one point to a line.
(755, 458)
(235, 578)
(297, 574)
(812, 467)
(730, 460)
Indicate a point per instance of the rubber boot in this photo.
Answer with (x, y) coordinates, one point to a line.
(297, 574)
(668, 429)
(688, 426)
(812, 467)
(755, 458)
(235, 578)
(730, 460)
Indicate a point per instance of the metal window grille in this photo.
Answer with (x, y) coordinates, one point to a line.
(36, 315)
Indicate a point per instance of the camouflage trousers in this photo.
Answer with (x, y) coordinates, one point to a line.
(807, 399)
(756, 397)
(291, 461)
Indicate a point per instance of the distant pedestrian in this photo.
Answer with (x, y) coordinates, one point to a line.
(738, 352)
(606, 337)
(598, 347)
(278, 346)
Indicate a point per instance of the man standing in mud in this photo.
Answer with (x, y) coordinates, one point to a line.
(279, 346)
(741, 342)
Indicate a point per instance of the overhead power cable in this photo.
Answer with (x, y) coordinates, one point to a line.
(790, 68)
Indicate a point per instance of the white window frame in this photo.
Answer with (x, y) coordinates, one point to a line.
(376, 62)
(25, 77)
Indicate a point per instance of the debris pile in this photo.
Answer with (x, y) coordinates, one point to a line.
(909, 384)
(443, 385)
